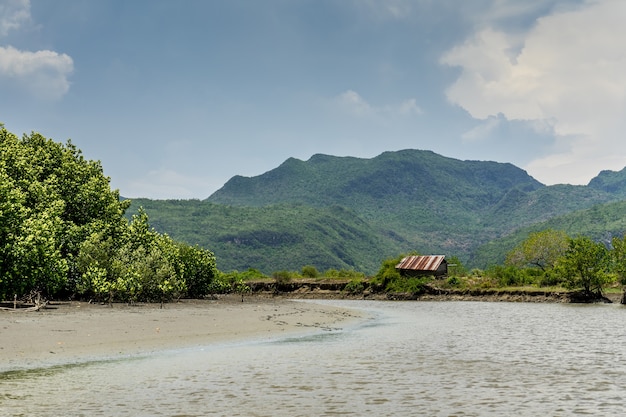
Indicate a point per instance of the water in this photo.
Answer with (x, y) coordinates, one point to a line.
(411, 358)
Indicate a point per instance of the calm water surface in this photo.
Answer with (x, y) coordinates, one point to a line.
(411, 358)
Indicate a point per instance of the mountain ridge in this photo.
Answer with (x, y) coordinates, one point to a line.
(399, 201)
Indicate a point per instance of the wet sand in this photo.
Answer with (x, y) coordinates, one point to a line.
(77, 331)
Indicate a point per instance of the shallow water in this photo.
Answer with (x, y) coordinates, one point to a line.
(411, 358)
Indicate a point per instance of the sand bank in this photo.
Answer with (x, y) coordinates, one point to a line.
(75, 331)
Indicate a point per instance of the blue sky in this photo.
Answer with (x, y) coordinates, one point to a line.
(176, 97)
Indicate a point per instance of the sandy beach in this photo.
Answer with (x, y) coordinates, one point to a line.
(76, 331)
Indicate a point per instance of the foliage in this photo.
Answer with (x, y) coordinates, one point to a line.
(453, 281)
(283, 276)
(456, 267)
(219, 286)
(260, 237)
(511, 276)
(343, 273)
(550, 278)
(197, 268)
(229, 278)
(389, 279)
(351, 213)
(51, 199)
(413, 285)
(240, 287)
(355, 286)
(541, 250)
(611, 182)
(63, 232)
(309, 271)
(599, 222)
(585, 265)
(341, 212)
(618, 258)
(388, 272)
(143, 264)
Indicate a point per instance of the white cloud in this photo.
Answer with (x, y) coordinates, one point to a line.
(570, 70)
(408, 108)
(483, 130)
(352, 103)
(43, 73)
(13, 13)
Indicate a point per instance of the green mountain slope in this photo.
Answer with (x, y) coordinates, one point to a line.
(611, 182)
(272, 238)
(601, 222)
(346, 212)
(519, 209)
(434, 203)
(409, 176)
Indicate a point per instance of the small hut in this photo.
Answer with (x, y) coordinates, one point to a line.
(416, 266)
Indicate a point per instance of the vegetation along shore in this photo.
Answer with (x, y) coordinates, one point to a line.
(65, 235)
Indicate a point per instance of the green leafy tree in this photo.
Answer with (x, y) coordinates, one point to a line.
(541, 250)
(584, 266)
(196, 266)
(156, 256)
(618, 258)
(388, 274)
(51, 200)
(143, 264)
(63, 231)
(618, 262)
(37, 255)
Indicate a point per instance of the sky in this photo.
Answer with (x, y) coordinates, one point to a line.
(176, 97)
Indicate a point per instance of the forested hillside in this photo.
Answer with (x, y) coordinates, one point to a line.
(601, 223)
(351, 212)
(277, 237)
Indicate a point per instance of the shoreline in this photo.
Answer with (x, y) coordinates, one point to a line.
(76, 332)
(335, 289)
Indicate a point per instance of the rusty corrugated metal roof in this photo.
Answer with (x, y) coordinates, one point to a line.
(421, 263)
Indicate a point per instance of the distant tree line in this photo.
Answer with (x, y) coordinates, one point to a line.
(548, 258)
(63, 232)
(551, 258)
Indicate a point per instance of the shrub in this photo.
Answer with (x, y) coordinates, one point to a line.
(506, 276)
(456, 267)
(309, 271)
(343, 273)
(476, 272)
(251, 274)
(355, 286)
(549, 279)
(413, 285)
(219, 286)
(453, 281)
(282, 276)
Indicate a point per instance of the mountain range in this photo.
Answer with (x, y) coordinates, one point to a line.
(351, 213)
